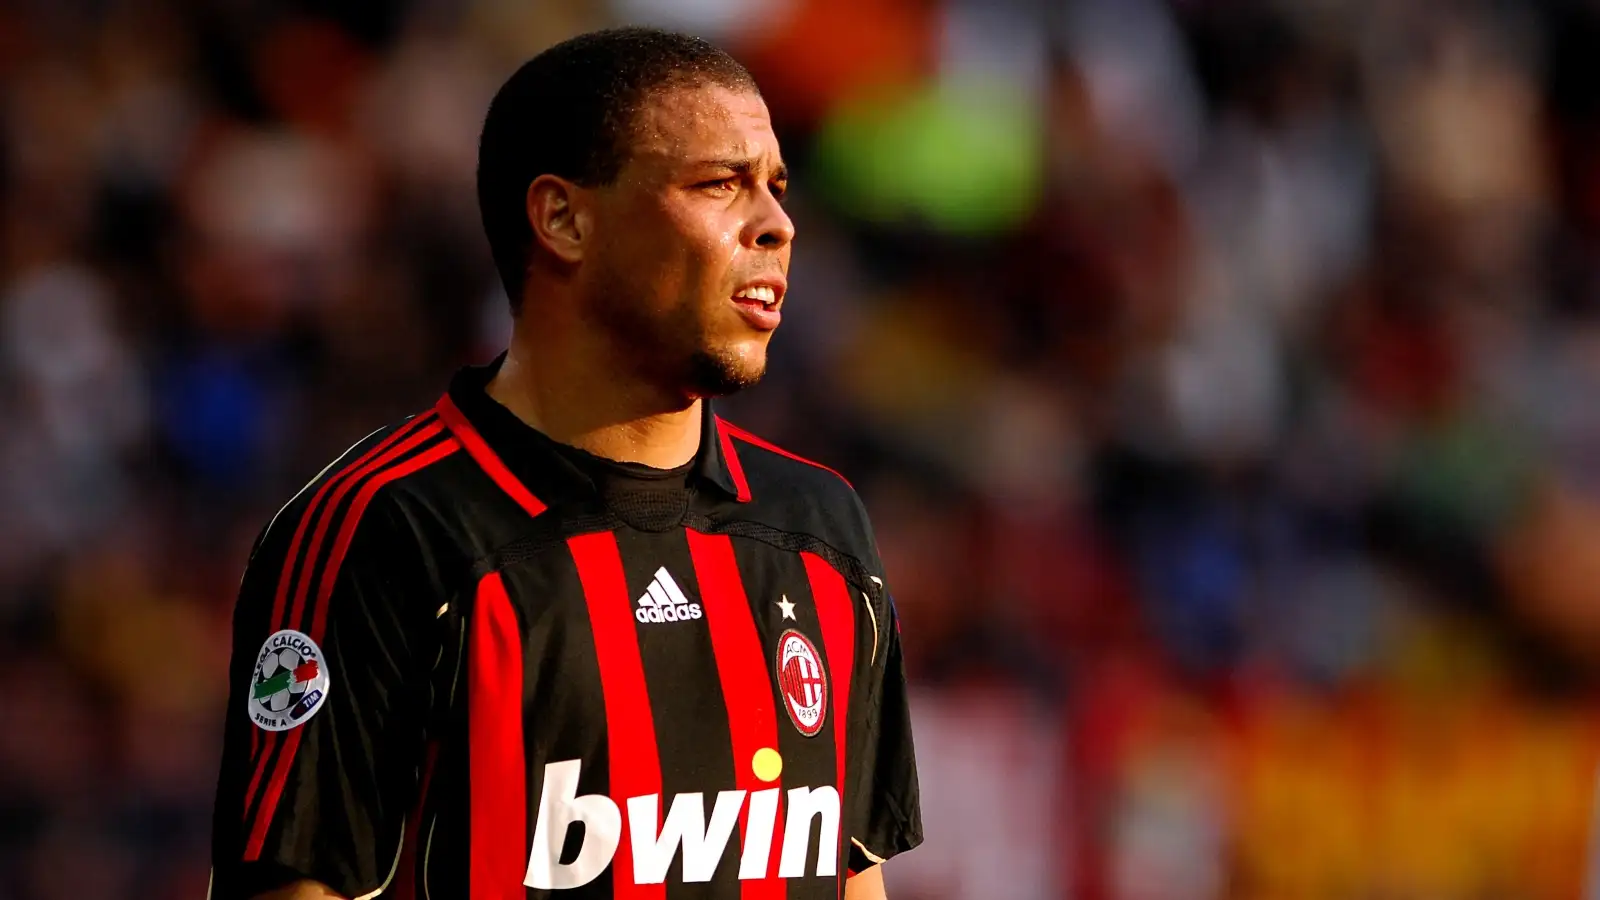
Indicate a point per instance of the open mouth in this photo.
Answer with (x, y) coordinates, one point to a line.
(760, 305)
(764, 294)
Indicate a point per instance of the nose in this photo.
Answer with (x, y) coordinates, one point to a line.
(770, 227)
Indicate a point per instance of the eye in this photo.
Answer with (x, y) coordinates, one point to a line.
(780, 189)
(720, 185)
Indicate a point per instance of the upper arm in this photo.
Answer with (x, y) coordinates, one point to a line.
(301, 890)
(333, 642)
(867, 885)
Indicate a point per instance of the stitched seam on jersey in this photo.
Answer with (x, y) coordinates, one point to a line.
(874, 858)
(873, 660)
(427, 856)
(548, 532)
(393, 867)
(855, 572)
(461, 663)
(526, 547)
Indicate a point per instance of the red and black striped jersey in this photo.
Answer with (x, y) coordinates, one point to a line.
(467, 665)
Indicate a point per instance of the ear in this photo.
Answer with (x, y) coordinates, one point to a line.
(558, 213)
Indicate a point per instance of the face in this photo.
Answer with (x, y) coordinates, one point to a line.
(690, 253)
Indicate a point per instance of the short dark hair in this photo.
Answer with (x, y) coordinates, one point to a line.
(570, 112)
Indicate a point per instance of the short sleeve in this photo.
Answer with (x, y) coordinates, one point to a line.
(887, 813)
(333, 643)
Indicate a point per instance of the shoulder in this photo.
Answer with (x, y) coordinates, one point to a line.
(353, 538)
(794, 493)
(774, 461)
(362, 491)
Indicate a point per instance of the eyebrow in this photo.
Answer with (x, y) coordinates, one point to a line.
(745, 167)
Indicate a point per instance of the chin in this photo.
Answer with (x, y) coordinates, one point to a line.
(718, 373)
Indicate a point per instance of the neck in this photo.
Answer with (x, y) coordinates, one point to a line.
(575, 396)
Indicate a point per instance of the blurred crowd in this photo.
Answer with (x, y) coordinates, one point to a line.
(1223, 377)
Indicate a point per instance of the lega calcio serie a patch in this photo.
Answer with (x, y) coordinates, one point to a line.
(290, 682)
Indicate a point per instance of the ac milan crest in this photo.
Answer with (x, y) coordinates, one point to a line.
(802, 681)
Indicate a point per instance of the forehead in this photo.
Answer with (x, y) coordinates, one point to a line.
(683, 124)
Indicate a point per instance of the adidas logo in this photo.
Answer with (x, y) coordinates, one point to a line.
(664, 601)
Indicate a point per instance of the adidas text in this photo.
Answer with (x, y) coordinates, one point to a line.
(664, 601)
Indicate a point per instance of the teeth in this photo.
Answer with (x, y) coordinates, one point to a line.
(764, 294)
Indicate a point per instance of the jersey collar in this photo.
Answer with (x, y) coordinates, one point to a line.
(524, 461)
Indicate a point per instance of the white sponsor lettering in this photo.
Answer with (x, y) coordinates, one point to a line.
(758, 833)
(804, 805)
(703, 843)
(559, 807)
(685, 825)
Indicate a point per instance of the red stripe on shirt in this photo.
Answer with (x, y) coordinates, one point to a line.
(315, 504)
(749, 438)
(280, 771)
(497, 767)
(837, 614)
(731, 456)
(485, 456)
(331, 512)
(347, 531)
(746, 687)
(261, 749)
(630, 727)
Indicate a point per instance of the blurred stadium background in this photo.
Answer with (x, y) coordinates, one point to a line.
(1223, 375)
